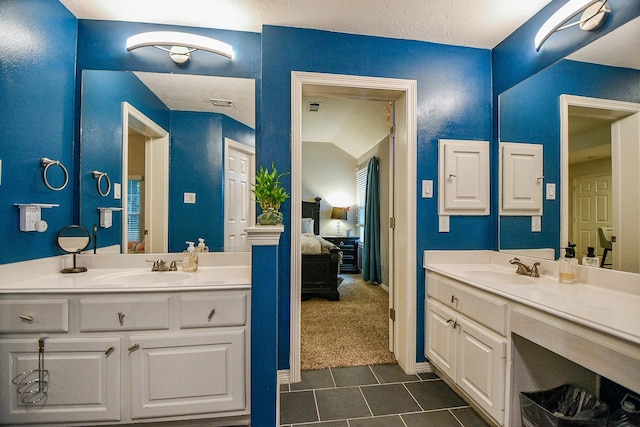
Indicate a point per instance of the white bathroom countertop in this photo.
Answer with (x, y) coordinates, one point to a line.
(596, 305)
(100, 280)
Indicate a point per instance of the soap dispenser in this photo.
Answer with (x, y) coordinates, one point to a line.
(591, 260)
(201, 246)
(569, 265)
(190, 258)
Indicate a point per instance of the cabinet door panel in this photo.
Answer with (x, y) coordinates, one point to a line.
(441, 338)
(481, 368)
(83, 382)
(187, 374)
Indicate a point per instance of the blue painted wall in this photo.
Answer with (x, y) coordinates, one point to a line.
(103, 93)
(529, 112)
(454, 101)
(37, 63)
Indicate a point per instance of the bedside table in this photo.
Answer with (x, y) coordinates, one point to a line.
(349, 248)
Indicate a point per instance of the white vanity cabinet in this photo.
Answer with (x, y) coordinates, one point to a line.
(466, 342)
(127, 357)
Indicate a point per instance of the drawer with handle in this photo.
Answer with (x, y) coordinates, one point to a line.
(209, 311)
(43, 315)
(124, 314)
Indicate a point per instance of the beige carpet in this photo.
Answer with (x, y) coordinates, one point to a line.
(351, 332)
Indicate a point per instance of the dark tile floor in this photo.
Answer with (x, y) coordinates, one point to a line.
(373, 396)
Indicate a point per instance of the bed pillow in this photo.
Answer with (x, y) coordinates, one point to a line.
(307, 225)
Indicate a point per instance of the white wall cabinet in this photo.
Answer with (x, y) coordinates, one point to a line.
(521, 179)
(129, 357)
(465, 350)
(463, 177)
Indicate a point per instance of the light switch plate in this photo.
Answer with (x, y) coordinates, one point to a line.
(551, 191)
(189, 197)
(0, 172)
(427, 188)
(117, 191)
(536, 224)
(443, 223)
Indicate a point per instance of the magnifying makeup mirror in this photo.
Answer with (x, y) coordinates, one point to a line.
(73, 239)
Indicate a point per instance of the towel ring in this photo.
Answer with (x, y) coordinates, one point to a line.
(100, 176)
(46, 164)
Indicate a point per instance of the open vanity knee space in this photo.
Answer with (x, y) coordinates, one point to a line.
(125, 354)
(493, 334)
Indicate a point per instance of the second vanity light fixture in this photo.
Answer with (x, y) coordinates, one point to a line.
(180, 45)
(594, 15)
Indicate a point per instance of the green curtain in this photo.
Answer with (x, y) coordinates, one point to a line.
(371, 266)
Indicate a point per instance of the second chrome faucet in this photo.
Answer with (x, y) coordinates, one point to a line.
(525, 270)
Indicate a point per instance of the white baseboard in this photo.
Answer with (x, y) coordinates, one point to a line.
(424, 368)
(284, 376)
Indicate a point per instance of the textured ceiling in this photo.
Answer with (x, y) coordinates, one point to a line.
(475, 23)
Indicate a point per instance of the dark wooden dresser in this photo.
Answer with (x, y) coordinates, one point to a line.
(349, 248)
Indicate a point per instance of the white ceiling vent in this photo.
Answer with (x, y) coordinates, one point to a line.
(313, 106)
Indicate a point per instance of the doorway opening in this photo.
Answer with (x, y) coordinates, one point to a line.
(145, 172)
(402, 207)
(600, 167)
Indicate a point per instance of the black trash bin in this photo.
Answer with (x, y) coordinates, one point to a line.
(566, 405)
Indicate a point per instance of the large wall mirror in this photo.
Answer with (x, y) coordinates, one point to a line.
(178, 150)
(585, 110)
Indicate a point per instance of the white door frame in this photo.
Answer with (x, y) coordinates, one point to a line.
(251, 153)
(582, 101)
(156, 179)
(405, 325)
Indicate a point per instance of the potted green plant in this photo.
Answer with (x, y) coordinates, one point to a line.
(269, 195)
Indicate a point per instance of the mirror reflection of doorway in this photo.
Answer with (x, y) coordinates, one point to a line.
(145, 172)
(600, 170)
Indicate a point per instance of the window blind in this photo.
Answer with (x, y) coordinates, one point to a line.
(361, 193)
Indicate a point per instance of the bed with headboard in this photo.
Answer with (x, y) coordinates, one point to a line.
(319, 270)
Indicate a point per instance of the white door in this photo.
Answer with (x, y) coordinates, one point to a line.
(591, 210)
(625, 151)
(239, 207)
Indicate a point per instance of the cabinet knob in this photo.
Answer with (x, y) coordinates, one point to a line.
(211, 313)
(26, 318)
(121, 318)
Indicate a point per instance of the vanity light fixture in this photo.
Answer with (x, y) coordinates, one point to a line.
(180, 45)
(593, 16)
(222, 102)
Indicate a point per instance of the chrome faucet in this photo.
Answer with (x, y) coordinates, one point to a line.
(161, 265)
(523, 269)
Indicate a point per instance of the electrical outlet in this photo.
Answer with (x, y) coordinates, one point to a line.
(443, 223)
(536, 224)
(189, 197)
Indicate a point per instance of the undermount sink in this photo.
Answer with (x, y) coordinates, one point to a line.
(500, 277)
(141, 278)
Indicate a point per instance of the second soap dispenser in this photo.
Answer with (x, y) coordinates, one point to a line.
(569, 265)
(190, 258)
